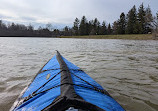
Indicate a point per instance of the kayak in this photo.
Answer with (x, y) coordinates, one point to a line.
(62, 86)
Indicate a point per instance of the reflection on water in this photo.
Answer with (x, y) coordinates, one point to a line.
(127, 69)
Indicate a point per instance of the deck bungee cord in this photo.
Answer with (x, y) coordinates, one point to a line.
(94, 88)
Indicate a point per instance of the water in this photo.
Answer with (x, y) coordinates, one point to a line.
(127, 69)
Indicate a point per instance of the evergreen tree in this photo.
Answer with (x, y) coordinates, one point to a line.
(132, 21)
(82, 27)
(96, 26)
(141, 19)
(155, 24)
(115, 27)
(90, 24)
(56, 32)
(2, 25)
(76, 26)
(109, 29)
(148, 20)
(66, 31)
(122, 24)
(88, 28)
(93, 28)
(156, 20)
(103, 29)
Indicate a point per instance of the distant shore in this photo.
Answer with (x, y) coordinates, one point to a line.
(128, 37)
(125, 37)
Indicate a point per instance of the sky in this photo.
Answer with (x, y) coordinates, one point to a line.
(63, 12)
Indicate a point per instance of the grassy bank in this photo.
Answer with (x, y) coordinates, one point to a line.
(129, 37)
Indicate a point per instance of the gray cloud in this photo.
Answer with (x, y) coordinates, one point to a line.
(65, 11)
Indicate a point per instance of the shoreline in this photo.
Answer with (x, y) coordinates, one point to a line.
(126, 37)
(123, 37)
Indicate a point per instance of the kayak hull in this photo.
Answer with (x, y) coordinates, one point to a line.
(60, 85)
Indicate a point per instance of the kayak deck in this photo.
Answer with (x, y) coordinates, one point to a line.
(60, 86)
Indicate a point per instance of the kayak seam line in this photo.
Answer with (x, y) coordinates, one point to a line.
(54, 77)
(60, 68)
(95, 88)
(47, 82)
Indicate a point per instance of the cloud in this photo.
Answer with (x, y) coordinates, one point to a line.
(65, 11)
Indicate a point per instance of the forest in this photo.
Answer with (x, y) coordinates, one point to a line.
(139, 21)
(136, 21)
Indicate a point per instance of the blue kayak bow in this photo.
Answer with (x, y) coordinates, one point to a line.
(62, 86)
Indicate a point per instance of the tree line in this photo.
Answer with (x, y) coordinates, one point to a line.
(22, 30)
(136, 21)
(139, 21)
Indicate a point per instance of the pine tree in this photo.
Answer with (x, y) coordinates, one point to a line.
(96, 26)
(76, 26)
(155, 24)
(90, 27)
(115, 27)
(103, 29)
(2, 25)
(148, 20)
(141, 19)
(122, 24)
(66, 31)
(109, 29)
(132, 21)
(82, 27)
(91, 24)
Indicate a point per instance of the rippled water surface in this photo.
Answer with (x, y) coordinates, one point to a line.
(127, 69)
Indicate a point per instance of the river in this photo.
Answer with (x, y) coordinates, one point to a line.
(127, 69)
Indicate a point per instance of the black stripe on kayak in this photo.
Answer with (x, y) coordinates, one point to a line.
(66, 90)
(68, 97)
(20, 100)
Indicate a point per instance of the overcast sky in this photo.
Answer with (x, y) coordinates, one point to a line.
(65, 11)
